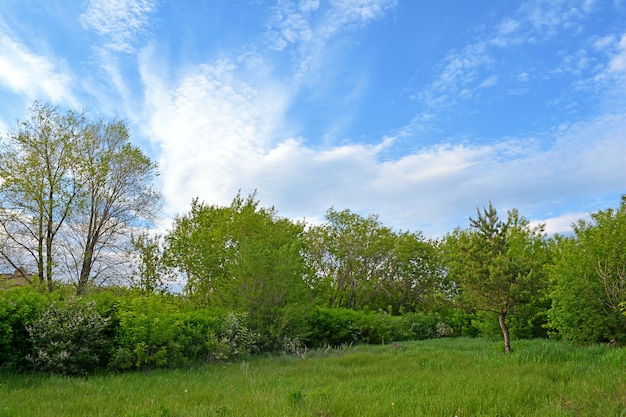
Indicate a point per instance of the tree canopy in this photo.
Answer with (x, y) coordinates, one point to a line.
(497, 264)
(588, 279)
(71, 190)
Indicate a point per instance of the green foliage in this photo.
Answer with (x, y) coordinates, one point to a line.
(231, 338)
(151, 273)
(589, 279)
(338, 326)
(19, 307)
(68, 338)
(160, 331)
(499, 267)
(148, 334)
(356, 262)
(460, 320)
(332, 327)
(243, 257)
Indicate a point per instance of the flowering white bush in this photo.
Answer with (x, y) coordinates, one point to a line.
(68, 338)
(233, 339)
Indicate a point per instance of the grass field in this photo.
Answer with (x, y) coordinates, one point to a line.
(443, 377)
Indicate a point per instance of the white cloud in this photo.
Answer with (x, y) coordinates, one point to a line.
(307, 27)
(212, 129)
(561, 224)
(219, 134)
(458, 76)
(37, 76)
(463, 71)
(119, 21)
(618, 61)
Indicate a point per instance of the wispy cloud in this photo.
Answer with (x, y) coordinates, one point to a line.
(36, 76)
(617, 64)
(221, 127)
(305, 27)
(218, 134)
(466, 70)
(307, 21)
(211, 127)
(118, 21)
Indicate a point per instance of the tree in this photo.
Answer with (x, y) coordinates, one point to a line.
(588, 279)
(70, 190)
(116, 195)
(347, 255)
(357, 262)
(151, 273)
(242, 257)
(497, 264)
(38, 191)
(198, 247)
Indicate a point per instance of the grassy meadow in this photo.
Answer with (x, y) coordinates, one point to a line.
(442, 377)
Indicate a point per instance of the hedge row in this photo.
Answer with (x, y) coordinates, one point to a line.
(67, 335)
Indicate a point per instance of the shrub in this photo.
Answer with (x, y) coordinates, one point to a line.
(147, 334)
(232, 338)
(160, 331)
(426, 326)
(375, 327)
(381, 327)
(19, 307)
(333, 327)
(68, 338)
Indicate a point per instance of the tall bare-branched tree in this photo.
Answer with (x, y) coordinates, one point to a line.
(71, 189)
(38, 191)
(117, 193)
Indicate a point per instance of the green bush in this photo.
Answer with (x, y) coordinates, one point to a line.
(460, 321)
(427, 326)
(19, 307)
(147, 334)
(381, 327)
(162, 331)
(336, 326)
(332, 327)
(68, 338)
(123, 330)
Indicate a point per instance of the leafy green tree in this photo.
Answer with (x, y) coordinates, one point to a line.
(198, 248)
(151, 273)
(38, 190)
(347, 255)
(242, 257)
(415, 281)
(497, 264)
(357, 262)
(588, 279)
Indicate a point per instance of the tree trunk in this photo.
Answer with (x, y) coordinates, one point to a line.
(505, 332)
(85, 271)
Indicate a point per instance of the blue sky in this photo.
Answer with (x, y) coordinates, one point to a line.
(417, 111)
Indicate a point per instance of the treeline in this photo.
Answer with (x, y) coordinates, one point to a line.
(76, 198)
(256, 282)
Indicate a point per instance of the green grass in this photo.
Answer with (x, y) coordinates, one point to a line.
(444, 377)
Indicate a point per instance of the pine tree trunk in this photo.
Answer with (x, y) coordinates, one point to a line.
(505, 332)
